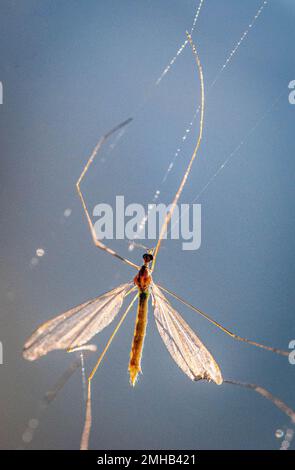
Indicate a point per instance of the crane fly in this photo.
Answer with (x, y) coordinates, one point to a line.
(72, 330)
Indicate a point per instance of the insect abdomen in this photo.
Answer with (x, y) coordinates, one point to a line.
(138, 338)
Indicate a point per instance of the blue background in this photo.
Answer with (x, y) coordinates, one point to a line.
(71, 70)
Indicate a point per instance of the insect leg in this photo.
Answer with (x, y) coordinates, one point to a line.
(95, 151)
(225, 330)
(88, 418)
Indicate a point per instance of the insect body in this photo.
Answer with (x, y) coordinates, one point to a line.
(142, 280)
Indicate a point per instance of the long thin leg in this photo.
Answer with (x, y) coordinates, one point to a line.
(266, 394)
(88, 418)
(97, 242)
(52, 393)
(225, 330)
(189, 167)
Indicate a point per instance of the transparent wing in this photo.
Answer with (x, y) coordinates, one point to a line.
(185, 347)
(76, 326)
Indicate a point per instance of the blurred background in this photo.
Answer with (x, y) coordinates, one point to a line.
(71, 71)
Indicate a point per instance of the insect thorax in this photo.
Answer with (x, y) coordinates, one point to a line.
(143, 279)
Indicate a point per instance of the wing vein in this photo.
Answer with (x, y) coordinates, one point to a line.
(77, 325)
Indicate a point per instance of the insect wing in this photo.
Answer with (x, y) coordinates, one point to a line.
(185, 347)
(76, 326)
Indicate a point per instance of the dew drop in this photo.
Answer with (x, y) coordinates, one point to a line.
(279, 434)
(33, 423)
(27, 436)
(67, 212)
(40, 252)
